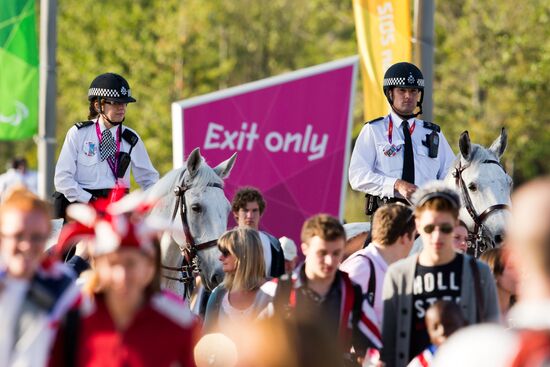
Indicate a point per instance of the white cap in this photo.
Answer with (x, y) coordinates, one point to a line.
(355, 229)
(289, 248)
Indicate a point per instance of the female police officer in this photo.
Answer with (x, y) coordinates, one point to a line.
(97, 154)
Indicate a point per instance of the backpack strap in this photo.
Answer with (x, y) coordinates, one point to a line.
(479, 296)
(371, 290)
(285, 295)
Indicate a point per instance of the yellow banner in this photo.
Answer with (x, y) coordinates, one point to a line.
(383, 30)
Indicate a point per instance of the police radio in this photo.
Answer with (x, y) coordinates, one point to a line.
(432, 143)
(124, 158)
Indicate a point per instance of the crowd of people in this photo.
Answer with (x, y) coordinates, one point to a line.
(354, 295)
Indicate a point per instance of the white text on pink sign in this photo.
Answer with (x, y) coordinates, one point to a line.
(308, 142)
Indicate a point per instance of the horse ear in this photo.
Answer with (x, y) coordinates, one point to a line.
(225, 167)
(465, 145)
(194, 162)
(499, 145)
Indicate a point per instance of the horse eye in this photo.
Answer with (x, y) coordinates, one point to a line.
(472, 186)
(197, 208)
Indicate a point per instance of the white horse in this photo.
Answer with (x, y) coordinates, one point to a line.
(484, 188)
(192, 196)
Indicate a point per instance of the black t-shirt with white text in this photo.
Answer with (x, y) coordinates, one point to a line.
(432, 283)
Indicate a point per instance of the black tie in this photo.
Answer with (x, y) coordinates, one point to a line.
(408, 158)
(107, 146)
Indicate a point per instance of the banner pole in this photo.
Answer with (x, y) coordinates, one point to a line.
(47, 98)
(424, 50)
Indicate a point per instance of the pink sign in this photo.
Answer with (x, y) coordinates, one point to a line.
(291, 134)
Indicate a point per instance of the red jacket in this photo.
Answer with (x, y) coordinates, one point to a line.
(162, 334)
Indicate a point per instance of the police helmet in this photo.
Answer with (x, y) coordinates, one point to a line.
(112, 87)
(403, 75)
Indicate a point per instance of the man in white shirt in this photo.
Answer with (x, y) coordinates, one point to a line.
(393, 155)
(393, 234)
(247, 206)
(98, 155)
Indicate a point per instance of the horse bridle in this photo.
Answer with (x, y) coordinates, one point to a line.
(190, 266)
(476, 237)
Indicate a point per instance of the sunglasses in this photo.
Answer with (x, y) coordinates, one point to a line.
(444, 228)
(225, 252)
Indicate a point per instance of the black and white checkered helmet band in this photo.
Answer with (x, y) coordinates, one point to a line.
(109, 93)
(404, 82)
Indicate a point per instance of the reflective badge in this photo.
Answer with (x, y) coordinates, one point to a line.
(410, 79)
(123, 91)
(90, 148)
(390, 150)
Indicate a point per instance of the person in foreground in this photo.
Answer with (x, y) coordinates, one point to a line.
(239, 298)
(123, 318)
(35, 290)
(526, 340)
(411, 285)
(319, 292)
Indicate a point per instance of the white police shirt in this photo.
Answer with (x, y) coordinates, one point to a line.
(79, 165)
(376, 163)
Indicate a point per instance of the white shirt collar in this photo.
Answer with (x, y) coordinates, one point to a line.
(398, 120)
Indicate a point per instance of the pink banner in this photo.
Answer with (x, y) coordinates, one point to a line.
(291, 134)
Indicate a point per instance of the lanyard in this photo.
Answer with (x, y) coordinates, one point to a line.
(113, 162)
(390, 129)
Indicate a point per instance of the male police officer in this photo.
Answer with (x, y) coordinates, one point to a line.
(96, 154)
(395, 154)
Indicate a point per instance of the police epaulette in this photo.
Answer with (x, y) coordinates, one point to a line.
(81, 124)
(376, 119)
(432, 126)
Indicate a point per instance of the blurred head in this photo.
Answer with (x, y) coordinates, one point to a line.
(460, 237)
(392, 221)
(128, 271)
(443, 318)
(242, 258)
(248, 206)
(24, 229)
(529, 235)
(290, 252)
(19, 163)
(502, 269)
(323, 241)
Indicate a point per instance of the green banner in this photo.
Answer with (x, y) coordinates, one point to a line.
(19, 73)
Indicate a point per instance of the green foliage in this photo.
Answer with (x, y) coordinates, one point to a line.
(492, 64)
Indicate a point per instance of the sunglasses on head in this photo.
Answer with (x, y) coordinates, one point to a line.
(444, 227)
(225, 252)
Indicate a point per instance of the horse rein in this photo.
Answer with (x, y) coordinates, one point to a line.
(476, 237)
(190, 266)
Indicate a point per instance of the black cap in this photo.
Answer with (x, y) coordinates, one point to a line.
(112, 87)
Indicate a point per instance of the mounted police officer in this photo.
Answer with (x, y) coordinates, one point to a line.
(395, 154)
(97, 154)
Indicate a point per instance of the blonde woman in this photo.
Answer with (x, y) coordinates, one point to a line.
(239, 297)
